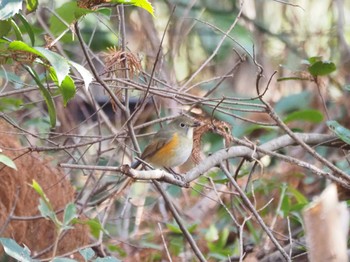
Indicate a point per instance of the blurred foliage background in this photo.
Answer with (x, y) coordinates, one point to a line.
(211, 49)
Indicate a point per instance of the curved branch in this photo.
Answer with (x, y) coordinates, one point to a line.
(250, 150)
(146, 175)
(245, 149)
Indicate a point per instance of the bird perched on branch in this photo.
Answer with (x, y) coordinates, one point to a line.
(172, 145)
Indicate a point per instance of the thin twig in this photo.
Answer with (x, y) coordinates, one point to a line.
(180, 222)
(249, 205)
(94, 71)
(281, 124)
(10, 215)
(218, 46)
(164, 243)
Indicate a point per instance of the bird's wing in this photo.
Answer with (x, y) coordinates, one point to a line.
(153, 147)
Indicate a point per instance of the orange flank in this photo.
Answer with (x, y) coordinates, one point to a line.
(165, 152)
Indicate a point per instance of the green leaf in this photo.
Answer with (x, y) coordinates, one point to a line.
(294, 102)
(212, 234)
(144, 4)
(297, 208)
(15, 251)
(5, 27)
(70, 212)
(254, 234)
(347, 87)
(117, 249)
(46, 210)
(68, 12)
(342, 132)
(321, 68)
(32, 5)
(107, 259)
(300, 198)
(87, 253)
(95, 227)
(192, 227)
(7, 161)
(47, 96)
(309, 115)
(35, 185)
(10, 103)
(217, 256)
(174, 228)
(314, 59)
(45, 207)
(9, 8)
(28, 28)
(285, 205)
(152, 245)
(21, 46)
(63, 259)
(59, 63)
(176, 244)
(18, 32)
(223, 237)
(67, 87)
(105, 11)
(87, 76)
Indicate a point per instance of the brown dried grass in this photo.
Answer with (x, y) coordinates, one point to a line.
(17, 196)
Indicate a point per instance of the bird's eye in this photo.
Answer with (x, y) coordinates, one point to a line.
(182, 125)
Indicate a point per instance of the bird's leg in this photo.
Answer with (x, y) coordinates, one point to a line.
(176, 175)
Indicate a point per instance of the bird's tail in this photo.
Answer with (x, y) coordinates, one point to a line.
(135, 164)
